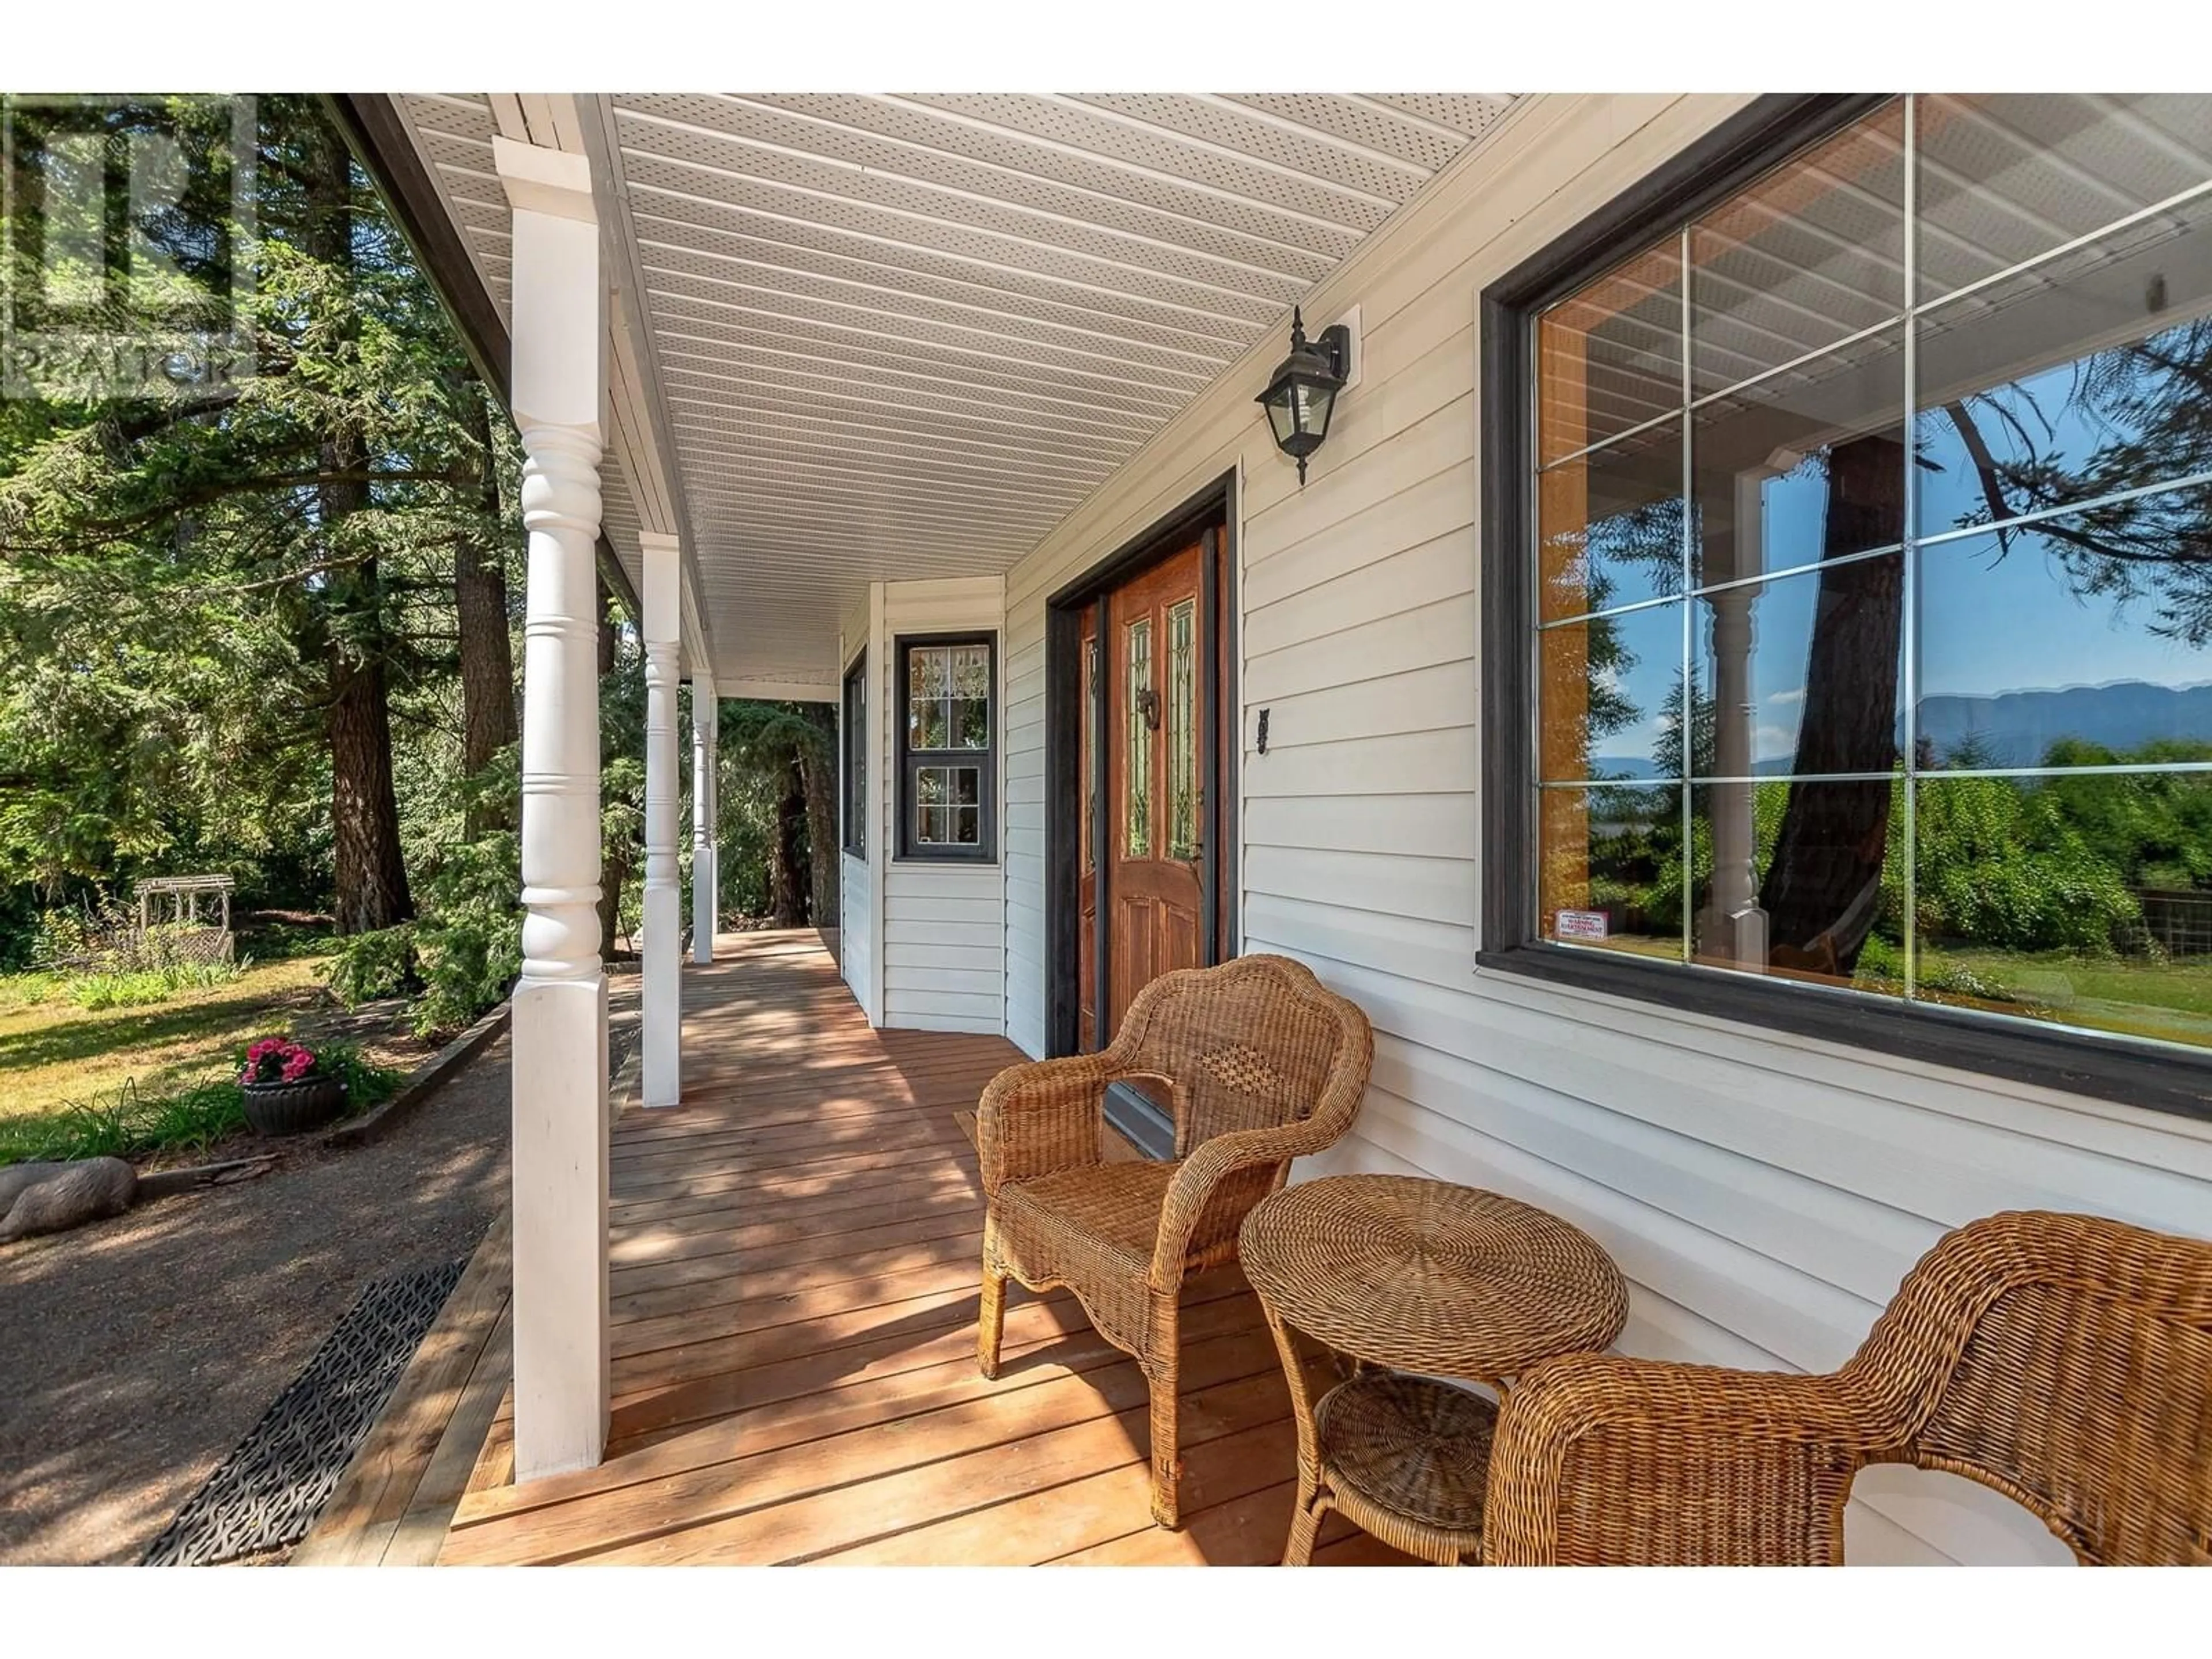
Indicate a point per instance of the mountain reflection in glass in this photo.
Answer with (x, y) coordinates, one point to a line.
(1753, 537)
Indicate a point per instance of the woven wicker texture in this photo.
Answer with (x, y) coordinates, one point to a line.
(1261, 1066)
(1427, 1276)
(1418, 1447)
(1402, 1271)
(2064, 1360)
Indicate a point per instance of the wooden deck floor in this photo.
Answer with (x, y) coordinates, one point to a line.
(794, 1281)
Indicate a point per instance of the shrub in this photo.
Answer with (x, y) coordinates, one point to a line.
(370, 966)
(88, 936)
(2000, 866)
(367, 1084)
(470, 933)
(139, 988)
(27, 990)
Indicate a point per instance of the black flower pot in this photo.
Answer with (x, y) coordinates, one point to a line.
(291, 1108)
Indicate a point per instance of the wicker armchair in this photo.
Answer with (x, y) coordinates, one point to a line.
(1261, 1066)
(2064, 1360)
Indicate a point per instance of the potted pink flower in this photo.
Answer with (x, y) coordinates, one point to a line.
(285, 1092)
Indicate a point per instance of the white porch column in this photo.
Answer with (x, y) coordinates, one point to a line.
(706, 780)
(664, 898)
(560, 1018)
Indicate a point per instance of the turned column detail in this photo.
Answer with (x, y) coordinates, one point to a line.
(706, 783)
(664, 902)
(560, 1007)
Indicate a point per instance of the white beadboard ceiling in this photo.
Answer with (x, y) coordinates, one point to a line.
(887, 338)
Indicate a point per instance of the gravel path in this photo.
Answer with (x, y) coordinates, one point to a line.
(135, 1352)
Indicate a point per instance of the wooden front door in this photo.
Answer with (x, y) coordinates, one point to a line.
(1145, 809)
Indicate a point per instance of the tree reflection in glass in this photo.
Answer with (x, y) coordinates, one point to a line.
(2050, 592)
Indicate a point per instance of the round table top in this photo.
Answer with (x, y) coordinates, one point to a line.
(1424, 1275)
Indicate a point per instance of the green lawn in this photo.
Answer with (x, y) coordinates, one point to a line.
(2135, 996)
(2170, 1000)
(52, 1052)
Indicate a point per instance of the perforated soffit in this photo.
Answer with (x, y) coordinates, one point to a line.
(902, 337)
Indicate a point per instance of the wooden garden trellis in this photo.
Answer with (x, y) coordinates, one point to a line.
(183, 894)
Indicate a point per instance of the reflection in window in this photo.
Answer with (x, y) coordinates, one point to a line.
(1610, 524)
(1183, 730)
(1611, 874)
(948, 760)
(1802, 259)
(1927, 718)
(948, 805)
(1612, 697)
(1610, 356)
(2079, 897)
(949, 696)
(1137, 786)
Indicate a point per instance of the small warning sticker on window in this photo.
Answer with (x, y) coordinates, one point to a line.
(1580, 924)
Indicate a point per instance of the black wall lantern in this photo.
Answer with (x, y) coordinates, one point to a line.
(1302, 396)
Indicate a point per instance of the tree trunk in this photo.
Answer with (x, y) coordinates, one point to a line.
(819, 764)
(787, 875)
(614, 873)
(371, 875)
(605, 600)
(1822, 891)
(487, 648)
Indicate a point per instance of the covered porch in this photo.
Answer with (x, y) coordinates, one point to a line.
(792, 376)
(794, 1265)
(846, 393)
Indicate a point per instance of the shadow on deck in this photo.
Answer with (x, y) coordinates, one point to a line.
(794, 1265)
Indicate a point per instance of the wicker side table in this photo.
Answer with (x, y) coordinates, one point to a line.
(1416, 1275)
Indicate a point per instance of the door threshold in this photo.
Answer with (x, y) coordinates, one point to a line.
(1141, 1120)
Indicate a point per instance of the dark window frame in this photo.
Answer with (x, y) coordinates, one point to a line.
(911, 760)
(2107, 1068)
(853, 802)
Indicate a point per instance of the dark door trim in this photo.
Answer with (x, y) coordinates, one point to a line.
(1066, 612)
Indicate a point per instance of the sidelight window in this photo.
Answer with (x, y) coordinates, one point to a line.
(1143, 715)
(1183, 730)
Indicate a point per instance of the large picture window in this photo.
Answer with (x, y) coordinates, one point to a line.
(948, 746)
(856, 757)
(1864, 591)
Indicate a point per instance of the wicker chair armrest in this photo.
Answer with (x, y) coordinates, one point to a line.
(1604, 1460)
(1040, 1116)
(1203, 1171)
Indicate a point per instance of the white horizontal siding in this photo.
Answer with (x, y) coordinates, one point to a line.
(943, 948)
(855, 948)
(1763, 1194)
